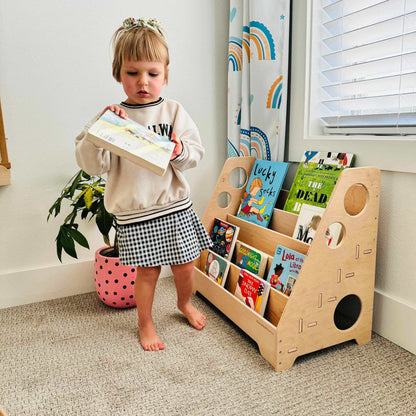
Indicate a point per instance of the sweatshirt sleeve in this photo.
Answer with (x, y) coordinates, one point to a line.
(92, 159)
(192, 149)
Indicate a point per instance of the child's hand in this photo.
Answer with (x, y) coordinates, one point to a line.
(116, 110)
(178, 146)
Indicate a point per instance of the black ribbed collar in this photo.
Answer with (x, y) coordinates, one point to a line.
(157, 102)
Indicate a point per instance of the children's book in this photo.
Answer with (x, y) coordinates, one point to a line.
(285, 268)
(262, 190)
(315, 179)
(224, 236)
(131, 140)
(216, 268)
(308, 222)
(251, 259)
(253, 291)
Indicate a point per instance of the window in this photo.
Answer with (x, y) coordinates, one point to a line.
(368, 66)
(353, 80)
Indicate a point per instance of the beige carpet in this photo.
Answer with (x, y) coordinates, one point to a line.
(76, 356)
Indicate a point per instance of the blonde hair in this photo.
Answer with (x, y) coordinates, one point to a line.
(138, 44)
(256, 183)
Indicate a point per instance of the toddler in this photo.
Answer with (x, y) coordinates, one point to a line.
(156, 224)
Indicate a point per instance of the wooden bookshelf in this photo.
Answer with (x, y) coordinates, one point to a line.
(4, 160)
(332, 300)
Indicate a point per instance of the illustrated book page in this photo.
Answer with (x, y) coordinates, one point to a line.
(216, 268)
(253, 291)
(308, 222)
(262, 190)
(285, 268)
(315, 179)
(131, 140)
(251, 259)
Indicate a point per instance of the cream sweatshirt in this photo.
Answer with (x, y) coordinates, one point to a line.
(135, 194)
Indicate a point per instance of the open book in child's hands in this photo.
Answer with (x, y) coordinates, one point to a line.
(131, 140)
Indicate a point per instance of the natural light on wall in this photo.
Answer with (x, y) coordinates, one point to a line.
(363, 68)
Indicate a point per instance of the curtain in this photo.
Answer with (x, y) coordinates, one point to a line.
(257, 78)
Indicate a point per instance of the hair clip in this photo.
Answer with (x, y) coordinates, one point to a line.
(153, 24)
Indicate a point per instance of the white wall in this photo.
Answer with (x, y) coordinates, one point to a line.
(55, 75)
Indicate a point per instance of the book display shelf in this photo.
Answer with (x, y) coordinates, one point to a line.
(332, 300)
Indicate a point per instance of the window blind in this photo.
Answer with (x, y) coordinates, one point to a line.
(368, 66)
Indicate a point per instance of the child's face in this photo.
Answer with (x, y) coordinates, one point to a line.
(142, 80)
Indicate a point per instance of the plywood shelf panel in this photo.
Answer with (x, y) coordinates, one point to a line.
(332, 301)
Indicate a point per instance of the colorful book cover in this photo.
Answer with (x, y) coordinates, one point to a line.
(308, 222)
(253, 291)
(262, 190)
(251, 259)
(285, 268)
(315, 179)
(131, 140)
(216, 268)
(224, 236)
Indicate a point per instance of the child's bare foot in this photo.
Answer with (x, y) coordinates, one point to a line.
(149, 339)
(195, 318)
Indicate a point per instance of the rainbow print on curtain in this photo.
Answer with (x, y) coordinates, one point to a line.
(257, 78)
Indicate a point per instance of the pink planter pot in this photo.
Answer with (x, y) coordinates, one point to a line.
(114, 282)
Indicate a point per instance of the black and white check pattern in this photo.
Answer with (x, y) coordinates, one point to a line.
(173, 239)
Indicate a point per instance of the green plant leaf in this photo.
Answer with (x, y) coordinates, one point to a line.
(107, 240)
(70, 218)
(79, 196)
(58, 207)
(88, 197)
(104, 220)
(99, 189)
(85, 175)
(75, 183)
(59, 249)
(84, 213)
(65, 239)
(55, 209)
(78, 237)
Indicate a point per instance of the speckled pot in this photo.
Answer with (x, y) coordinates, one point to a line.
(114, 282)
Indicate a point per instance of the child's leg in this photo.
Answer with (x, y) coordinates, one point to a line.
(144, 290)
(183, 274)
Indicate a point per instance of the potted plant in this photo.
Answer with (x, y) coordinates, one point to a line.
(114, 282)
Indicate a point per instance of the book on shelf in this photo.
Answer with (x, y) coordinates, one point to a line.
(253, 291)
(131, 140)
(216, 268)
(251, 259)
(285, 268)
(308, 222)
(262, 190)
(315, 179)
(224, 236)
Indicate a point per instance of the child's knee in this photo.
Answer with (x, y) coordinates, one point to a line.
(181, 269)
(149, 273)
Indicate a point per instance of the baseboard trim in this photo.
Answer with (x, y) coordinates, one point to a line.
(37, 285)
(395, 320)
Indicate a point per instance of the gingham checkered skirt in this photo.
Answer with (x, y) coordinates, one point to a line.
(173, 239)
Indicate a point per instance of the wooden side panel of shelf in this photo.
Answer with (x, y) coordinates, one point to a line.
(4, 160)
(332, 301)
(330, 277)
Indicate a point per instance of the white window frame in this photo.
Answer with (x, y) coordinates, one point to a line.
(393, 153)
